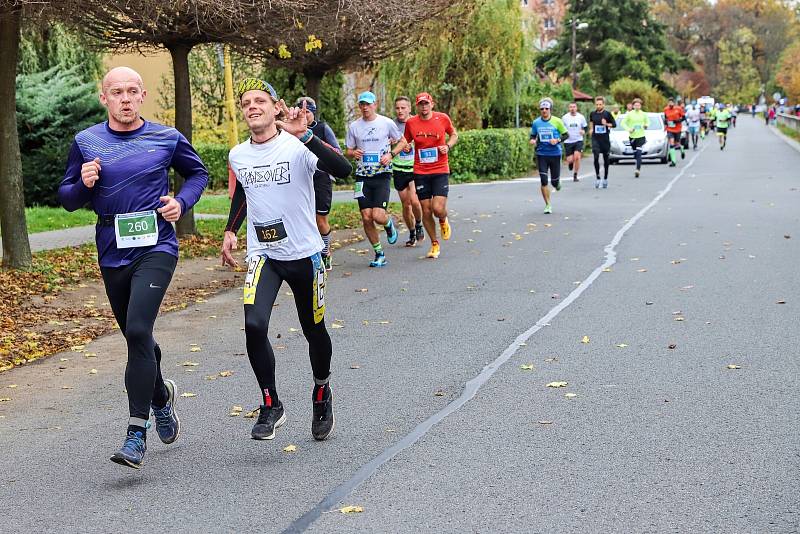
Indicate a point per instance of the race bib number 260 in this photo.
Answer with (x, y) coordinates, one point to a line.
(136, 229)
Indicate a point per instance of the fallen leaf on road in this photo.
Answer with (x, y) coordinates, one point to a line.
(439, 393)
(5, 399)
(93, 371)
(195, 349)
(648, 303)
(187, 394)
(346, 274)
(734, 366)
(585, 339)
(526, 367)
(89, 354)
(252, 414)
(337, 325)
(362, 290)
(554, 296)
(224, 374)
(210, 377)
(684, 288)
(781, 302)
(351, 509)
(558, 384)
(187, 363)
(607, 270)
(679, 319)
(551, 360)
(672, 346)
(290, 448)
(67, 387)
(501, 318)
(355, 366)
(787, 236)
(570, 395)
(621, 345)
(11, 386)
(641, 270)
(63, 359)
(78, 348)
(545, 422)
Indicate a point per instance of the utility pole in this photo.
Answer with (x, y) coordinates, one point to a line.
(574, 24)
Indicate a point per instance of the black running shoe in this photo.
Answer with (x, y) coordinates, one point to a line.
(412, 239)
(323, 420)
(420, 231)
(269, 418)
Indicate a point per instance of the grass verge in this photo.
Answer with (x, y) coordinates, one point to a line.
(789, 132)
(34, 322)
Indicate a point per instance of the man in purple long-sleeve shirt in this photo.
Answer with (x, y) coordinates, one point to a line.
(120, 168)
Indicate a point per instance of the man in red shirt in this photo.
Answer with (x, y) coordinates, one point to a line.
(673, 123)
(433, 136)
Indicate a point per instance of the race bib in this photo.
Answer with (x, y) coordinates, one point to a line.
(545, 135)
(671, 124)
(271, 233)
(136, 229)
(251, 280)
(358, 190)
(637, 127)
(600, 129)
(371, 159)
(406, 155)
(429, 155)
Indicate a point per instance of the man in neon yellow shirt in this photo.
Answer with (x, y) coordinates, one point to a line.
(723, 116)
(635, 123)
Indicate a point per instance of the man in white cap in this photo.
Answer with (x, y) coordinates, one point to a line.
(547, 133)
(369, 141)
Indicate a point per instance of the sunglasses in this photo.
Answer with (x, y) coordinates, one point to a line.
(542, 109)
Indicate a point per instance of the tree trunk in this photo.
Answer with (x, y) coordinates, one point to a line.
(313, 84)
(183, 120)
(16, 246)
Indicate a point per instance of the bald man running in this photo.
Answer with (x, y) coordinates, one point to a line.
(120, 168)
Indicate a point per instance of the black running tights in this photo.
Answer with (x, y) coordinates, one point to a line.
(135, 292)
(306, 278)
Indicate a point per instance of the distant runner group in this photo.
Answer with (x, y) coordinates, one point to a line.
(284, 173)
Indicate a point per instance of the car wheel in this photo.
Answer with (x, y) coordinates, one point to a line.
(663, 160)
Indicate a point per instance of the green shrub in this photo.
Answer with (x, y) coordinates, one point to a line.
(625, 90)
(52, 106)
(479, 155)
(215, 156)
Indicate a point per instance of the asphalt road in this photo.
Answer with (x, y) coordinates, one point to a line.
(656, 439)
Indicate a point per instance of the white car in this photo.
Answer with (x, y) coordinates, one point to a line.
(656, 146)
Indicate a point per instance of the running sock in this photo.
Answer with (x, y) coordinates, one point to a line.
(140, 429)
(270, 398)
(570, 165)
(378, 248)
(326, 240)
(574, 174)
(672, 154)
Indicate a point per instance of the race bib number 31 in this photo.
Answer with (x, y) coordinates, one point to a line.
(429, 155)
(136, 229)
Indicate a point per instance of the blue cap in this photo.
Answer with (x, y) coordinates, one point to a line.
(367, 96)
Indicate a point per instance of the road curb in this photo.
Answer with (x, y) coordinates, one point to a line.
(788, 140)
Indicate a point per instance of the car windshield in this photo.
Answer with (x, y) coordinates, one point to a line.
(654, 122)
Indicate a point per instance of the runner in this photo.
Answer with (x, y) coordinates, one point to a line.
(711, 118)
(369, 141)
(120, 168)
(703, 121)
(547, 133)
(615, 112)
(635, 123)
(403, 173)
(323, 182)
(693, 119)
(734, 113)
(433, 136)
(673, 122)
(600, 124)
(573, 146)
(275, 191)
(722, 117)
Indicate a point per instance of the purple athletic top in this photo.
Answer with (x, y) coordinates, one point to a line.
(134, 170)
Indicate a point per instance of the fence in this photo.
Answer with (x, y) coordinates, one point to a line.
(790, 121)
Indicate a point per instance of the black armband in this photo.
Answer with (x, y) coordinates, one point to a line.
(330, 161)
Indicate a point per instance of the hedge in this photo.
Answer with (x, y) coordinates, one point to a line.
(491, 154)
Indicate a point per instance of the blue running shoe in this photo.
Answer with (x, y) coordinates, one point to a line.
(379, 261)
(132, 452)
(168, 425)
(391, 232)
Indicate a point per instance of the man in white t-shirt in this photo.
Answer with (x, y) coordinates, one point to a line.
(369, 141)
(573, 146)
(274, 172)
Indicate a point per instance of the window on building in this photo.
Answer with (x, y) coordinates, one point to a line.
(549, 23)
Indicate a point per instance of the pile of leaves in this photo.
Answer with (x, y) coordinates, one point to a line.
(35, 323)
